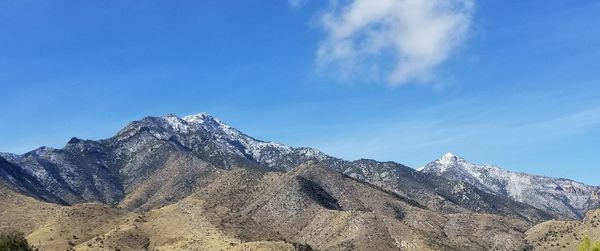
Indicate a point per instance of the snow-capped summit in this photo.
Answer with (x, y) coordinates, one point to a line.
(204, 133)
(450, 159)
(447, 160)
(199, 118)
(197, 121)
(449, 156)
(451, 162)
(566, 198)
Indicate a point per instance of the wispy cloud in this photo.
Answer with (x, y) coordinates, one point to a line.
(393, 40)
(573, 123)
(297, 3)
(509, 128)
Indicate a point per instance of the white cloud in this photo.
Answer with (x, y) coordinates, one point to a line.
(398, 40)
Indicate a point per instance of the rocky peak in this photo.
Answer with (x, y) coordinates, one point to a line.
(200, 118)
(74, 140)
(450, 159)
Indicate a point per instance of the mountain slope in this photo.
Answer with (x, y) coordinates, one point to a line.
(564, 235)
(366, 214)
(91, 226)
(437, 193)
(16, 178)
(23, 213)
(562, 198)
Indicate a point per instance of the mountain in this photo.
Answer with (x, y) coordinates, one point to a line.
(126, 168)
(563, 198)
(157, 161)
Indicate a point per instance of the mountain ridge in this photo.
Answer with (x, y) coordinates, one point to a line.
(562, 197)
(509, 170)
(127, 168)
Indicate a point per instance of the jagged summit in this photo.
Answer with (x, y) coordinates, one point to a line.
(449, 155)
(201, 121)
(451, 158)
(200, 117)
(447, 160)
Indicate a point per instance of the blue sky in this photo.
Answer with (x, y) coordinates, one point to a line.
(509, 83)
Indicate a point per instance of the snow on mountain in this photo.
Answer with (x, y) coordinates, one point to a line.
(562, 197)
(266, 152)
(204, 133)
(9, 156)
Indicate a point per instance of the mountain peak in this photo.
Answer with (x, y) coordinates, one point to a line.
(205, 119)
(449, 155)
(193, 122)
(199, 117)
(193, 118)
(450, 158)
(445, 162)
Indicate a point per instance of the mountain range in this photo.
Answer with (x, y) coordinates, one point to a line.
(249, 193)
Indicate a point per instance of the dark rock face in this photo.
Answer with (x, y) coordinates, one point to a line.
(159, 160)
(596, 196)
(318, 194)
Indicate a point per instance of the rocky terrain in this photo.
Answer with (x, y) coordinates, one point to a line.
(196, 183)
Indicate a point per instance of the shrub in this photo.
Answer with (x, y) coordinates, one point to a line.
(302, 247)
(587, 245)
(14, 241)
